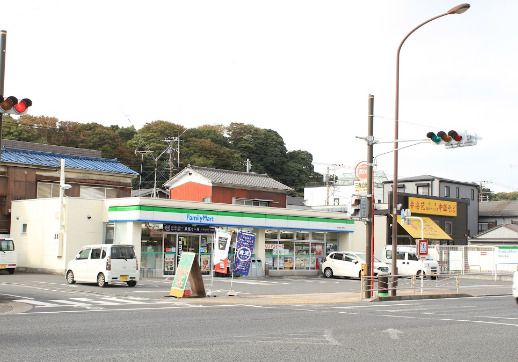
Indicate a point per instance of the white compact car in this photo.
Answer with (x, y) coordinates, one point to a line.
(103, 264)
(349, 264)
(515, 286)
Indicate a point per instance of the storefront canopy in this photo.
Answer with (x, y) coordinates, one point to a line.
(431, 229)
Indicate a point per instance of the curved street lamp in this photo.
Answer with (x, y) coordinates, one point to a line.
(459, 9)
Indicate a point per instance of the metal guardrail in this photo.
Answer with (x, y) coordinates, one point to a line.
(381, 286)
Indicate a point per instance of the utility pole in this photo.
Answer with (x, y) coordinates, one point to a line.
(170, 151)
(248, 165)
(3, 39)
(327, 186)
(369, 235)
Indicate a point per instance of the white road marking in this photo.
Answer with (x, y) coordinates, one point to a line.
(123, 301)
(70, 303)
(36, 303)
(99, 302)
(393, 333)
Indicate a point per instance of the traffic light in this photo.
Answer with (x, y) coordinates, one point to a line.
(359, 207)
(11, 105)
(452, 139)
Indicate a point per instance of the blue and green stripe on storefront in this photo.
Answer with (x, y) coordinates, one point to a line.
(163, 214)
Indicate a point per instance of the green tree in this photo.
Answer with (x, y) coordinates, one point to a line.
(264, 147)
(298, 170)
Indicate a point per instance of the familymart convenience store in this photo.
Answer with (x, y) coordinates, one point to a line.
(288, 242)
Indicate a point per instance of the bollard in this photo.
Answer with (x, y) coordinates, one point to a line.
(383, 285)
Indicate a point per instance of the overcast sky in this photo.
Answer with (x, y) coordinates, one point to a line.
(302, 68)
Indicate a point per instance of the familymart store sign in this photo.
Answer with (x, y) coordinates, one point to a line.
(161, 214)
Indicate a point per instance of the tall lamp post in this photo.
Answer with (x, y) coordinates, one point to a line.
(459, 9)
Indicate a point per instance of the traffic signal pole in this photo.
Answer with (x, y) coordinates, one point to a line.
(3, 38)
(369, 235)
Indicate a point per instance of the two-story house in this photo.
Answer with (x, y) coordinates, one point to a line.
(227, 187)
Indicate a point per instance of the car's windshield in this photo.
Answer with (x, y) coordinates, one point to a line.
(362, 256)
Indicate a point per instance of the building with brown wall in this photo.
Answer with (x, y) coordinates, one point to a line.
(31, 170)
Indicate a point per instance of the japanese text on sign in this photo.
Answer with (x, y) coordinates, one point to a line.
(432, 207)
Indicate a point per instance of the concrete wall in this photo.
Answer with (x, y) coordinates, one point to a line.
(39, 247)
(358, 240)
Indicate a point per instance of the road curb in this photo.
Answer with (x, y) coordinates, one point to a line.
(420, 296)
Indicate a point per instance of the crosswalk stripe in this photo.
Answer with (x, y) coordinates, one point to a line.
(124, 301)
(36, 303)
(99, 302)
(70, 303)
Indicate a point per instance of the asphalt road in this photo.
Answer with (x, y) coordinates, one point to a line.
(59, 322)
(484, 328)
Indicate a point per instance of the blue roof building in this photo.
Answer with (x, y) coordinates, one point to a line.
(31, 170)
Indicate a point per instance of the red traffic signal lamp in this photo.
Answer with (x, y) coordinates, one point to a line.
(11, 105)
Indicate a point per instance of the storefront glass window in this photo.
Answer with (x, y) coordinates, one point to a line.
(205, 253)
(317, 255)
(287, 257)
(301, 235)
(271, 235)
(302, 256)
(331, 242)
(151, 252)
(169, 254)
(287, 235)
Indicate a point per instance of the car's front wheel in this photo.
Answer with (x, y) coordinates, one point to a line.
(516, 300)
(131, 283)
(101, 280)
(70, 277)
(10, 270)
(418, 274)
(328, 272)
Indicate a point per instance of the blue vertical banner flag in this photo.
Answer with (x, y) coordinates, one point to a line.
(244, 250)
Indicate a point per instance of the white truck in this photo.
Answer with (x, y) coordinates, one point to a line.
(409, 263)
(7, 255)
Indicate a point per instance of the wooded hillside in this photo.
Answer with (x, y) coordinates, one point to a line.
(219, 146)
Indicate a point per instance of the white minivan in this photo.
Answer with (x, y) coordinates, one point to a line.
(7, 255)
(409, 263)
(103, 264)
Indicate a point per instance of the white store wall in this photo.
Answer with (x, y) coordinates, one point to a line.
(38, 247)
(358, 241)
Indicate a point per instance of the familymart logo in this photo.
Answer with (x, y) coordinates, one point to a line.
(200, 218)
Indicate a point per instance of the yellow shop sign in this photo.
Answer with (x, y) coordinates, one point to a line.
(432, 207)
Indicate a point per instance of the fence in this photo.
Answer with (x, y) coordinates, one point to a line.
(405, 285)
(475, 259)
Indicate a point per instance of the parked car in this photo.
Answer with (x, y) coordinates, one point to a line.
(515, 286)
(409, 263)
(103, 264)
(7, 255)
(349, 264)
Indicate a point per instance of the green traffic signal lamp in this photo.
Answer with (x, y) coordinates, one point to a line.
(435, 138)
